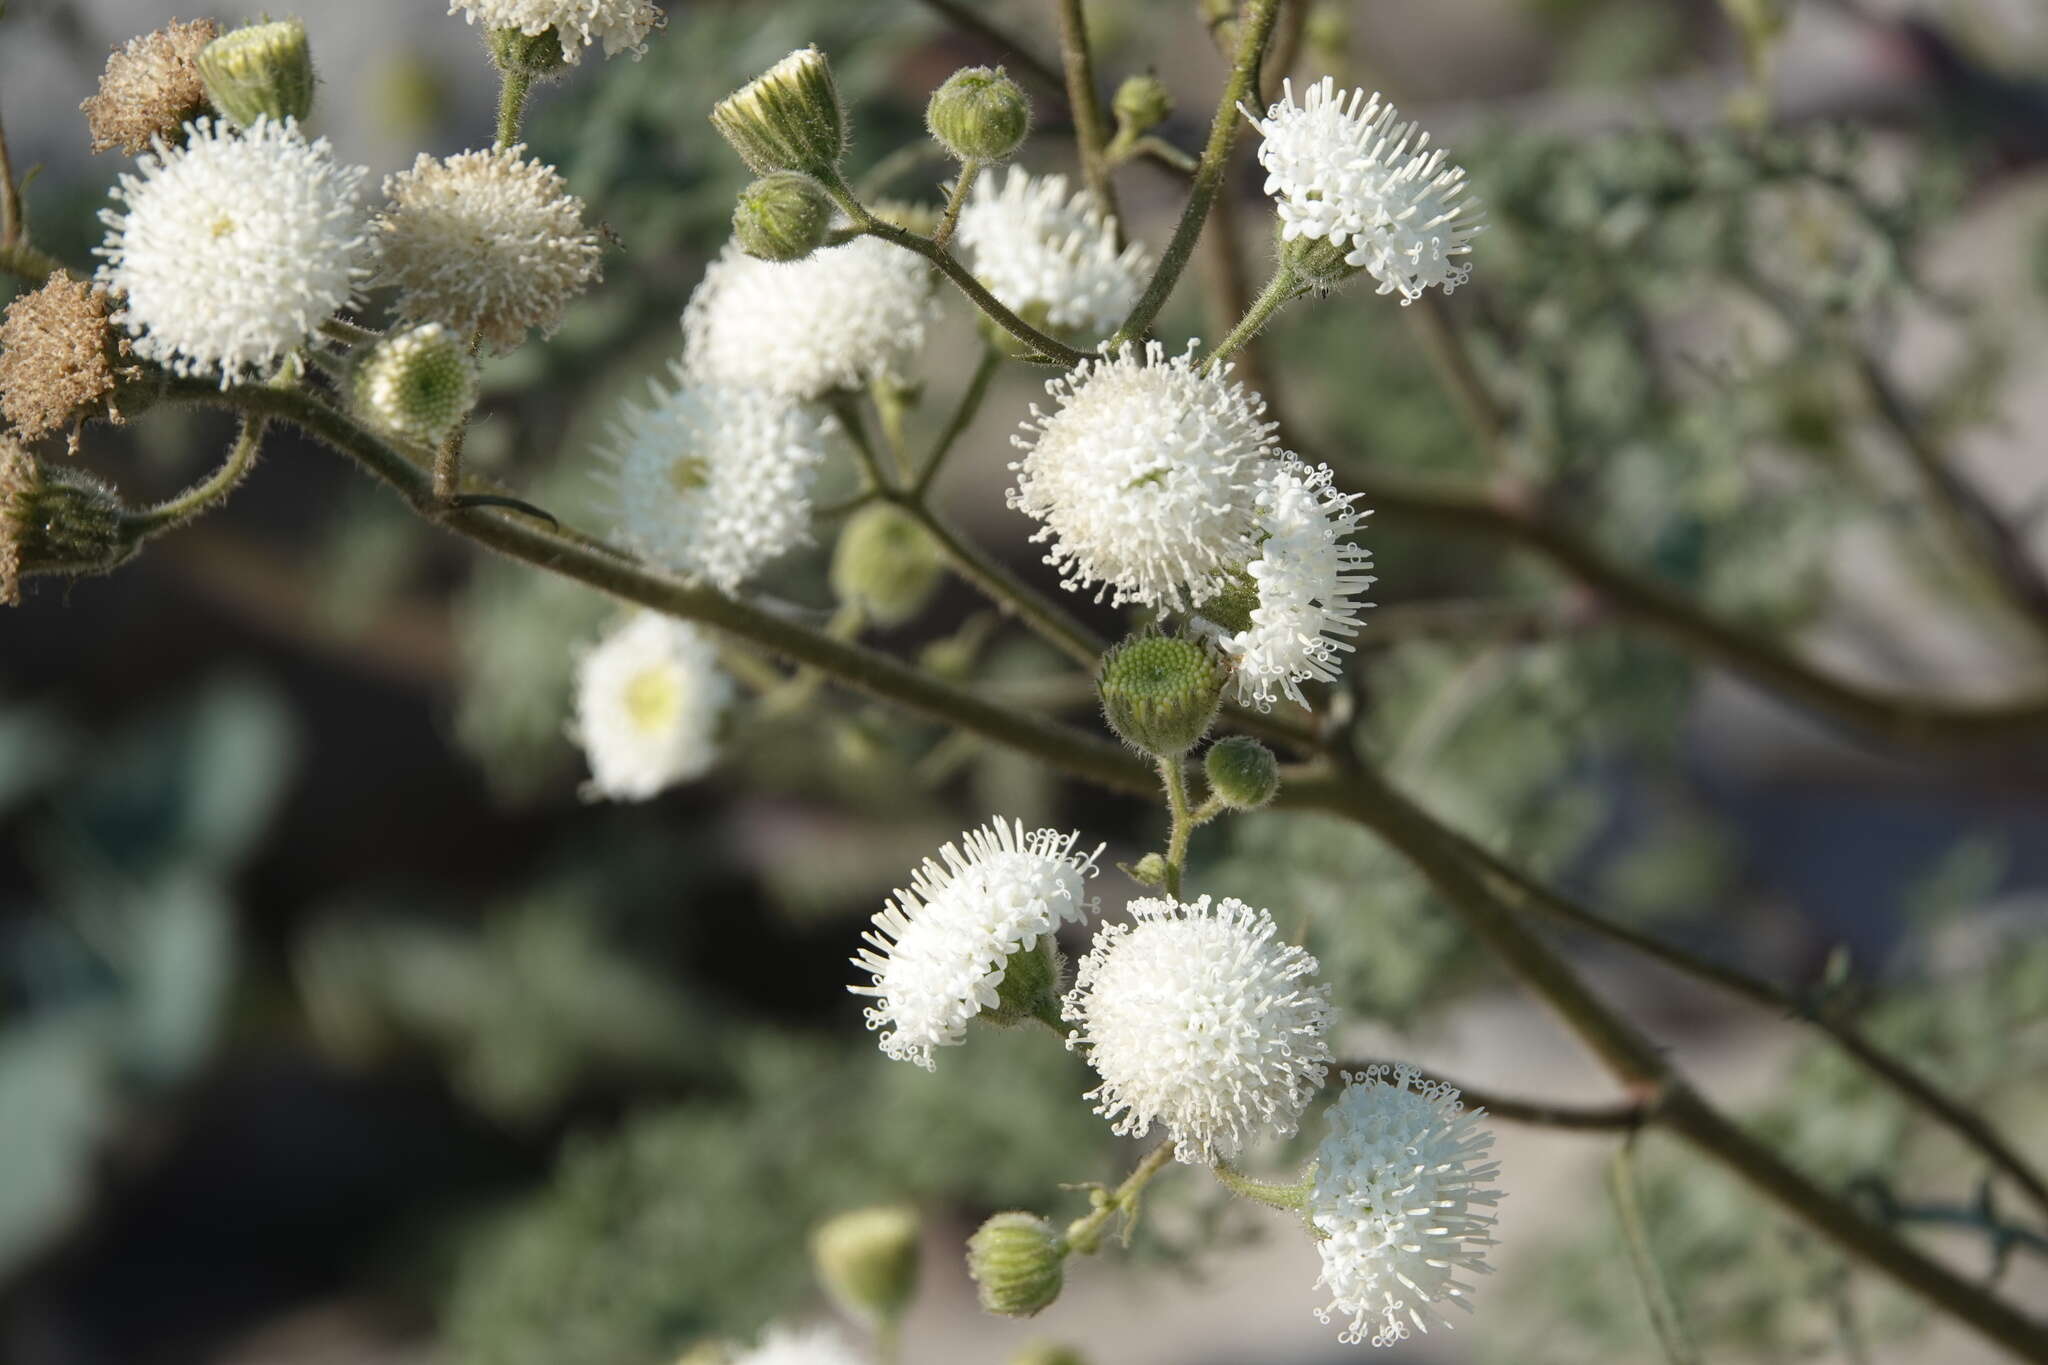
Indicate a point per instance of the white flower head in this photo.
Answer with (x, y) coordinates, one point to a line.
(1144, 476)
(487, 241)
(938, 951)
(834, 320)
(1048, 255)
(714, 481)
(1341, 168)
(621, 25)
(649, 698)
(1309, 576)
(801, 1346)
(232, 248)
(1400, 1184)
(1197, 1019)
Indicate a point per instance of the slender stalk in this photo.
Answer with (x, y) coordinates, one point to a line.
(25, 262)
(1241, 84)
(348, 333)
(956, 199)
(207, 493)
(1288, 1197)
(1173, 777)
(949, 266)
(846, 408)
(1091, 129)
(1663, 1309)
(1284, 286)
(1895, 718)
(1009, 592)
(12, 229)
(1166, 154)
(1227, 297)
(963, 417)
(891, 406)
(514, 85)
(1084, 1234)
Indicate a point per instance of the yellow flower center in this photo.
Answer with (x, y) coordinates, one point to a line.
(654, 697)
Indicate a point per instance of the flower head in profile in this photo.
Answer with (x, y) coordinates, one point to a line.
(1309, 576)
(621, 25)
(714, 481)
(485, 241)
(800, 1346)
(1144, 475)
(1197, 1019)
(231, 249)
(1399, 1197)
(939, 950)
(1051, 256)
(834, 320)
(150, 88)
(649, 698)
(1343, 170)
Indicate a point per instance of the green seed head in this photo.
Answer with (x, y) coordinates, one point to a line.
(1018, 1260)
(416, 385)
(1242, 772)
(788, 118)
(867, 1261)
(979, 114)
(1160, 692)
(260, 71)
(782, 217)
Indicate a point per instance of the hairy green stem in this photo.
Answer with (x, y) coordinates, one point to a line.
(1091, 129)
(963, 417)
(956, 199)
(1174, 778)
(1665, 1317)
(1288, 1197)
(1241, 83)
(514, 85)
(205, 494)
(1084, 1234)
(1284, 286)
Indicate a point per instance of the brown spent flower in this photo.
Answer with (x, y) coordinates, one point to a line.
(488, 242)
(150, 87)
(56, 356)
(17, 482)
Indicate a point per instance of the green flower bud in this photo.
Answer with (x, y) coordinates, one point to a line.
(262, 70)
(534, 54)
(788, 118)
(1317, 262)
(887, 563)
(979, 114)
(1242, 772)
(867, 1261)
(1019, 1262)
(1150, 870)
(1141, 104)
(54, 520)
(1160, 692)
(1045, 1353)
(416, 385)
(1030, 988)
(782, 217)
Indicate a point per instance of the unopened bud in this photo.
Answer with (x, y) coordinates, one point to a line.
(979, 114)
(1160, 692)
(260, 71)
(788, 118)
(1018, 1260)
(867, 1261)
(1242, 772)
(1150, 869)
(886, 563)
(1317, 262)
(531, 54)
(782, 217)
(54, 521)
(1141, 104)
(416, 385)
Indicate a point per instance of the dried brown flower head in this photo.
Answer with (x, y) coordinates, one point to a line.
(56, 356)
(17, 483)
(150, 87)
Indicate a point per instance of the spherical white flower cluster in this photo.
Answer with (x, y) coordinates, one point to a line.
(1397, 1182)
(1143, 476)
(1197, 1019)
(938, 951)
(649, 699)
(835, 320)
(1050, 257)
(485, 241)
(1342, 169)
(232, 248)
(714, 481)
(621, 25)
(801, 1346)
(1308, 576)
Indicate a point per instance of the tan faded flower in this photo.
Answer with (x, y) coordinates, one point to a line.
(56, 356)
(150, 88)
